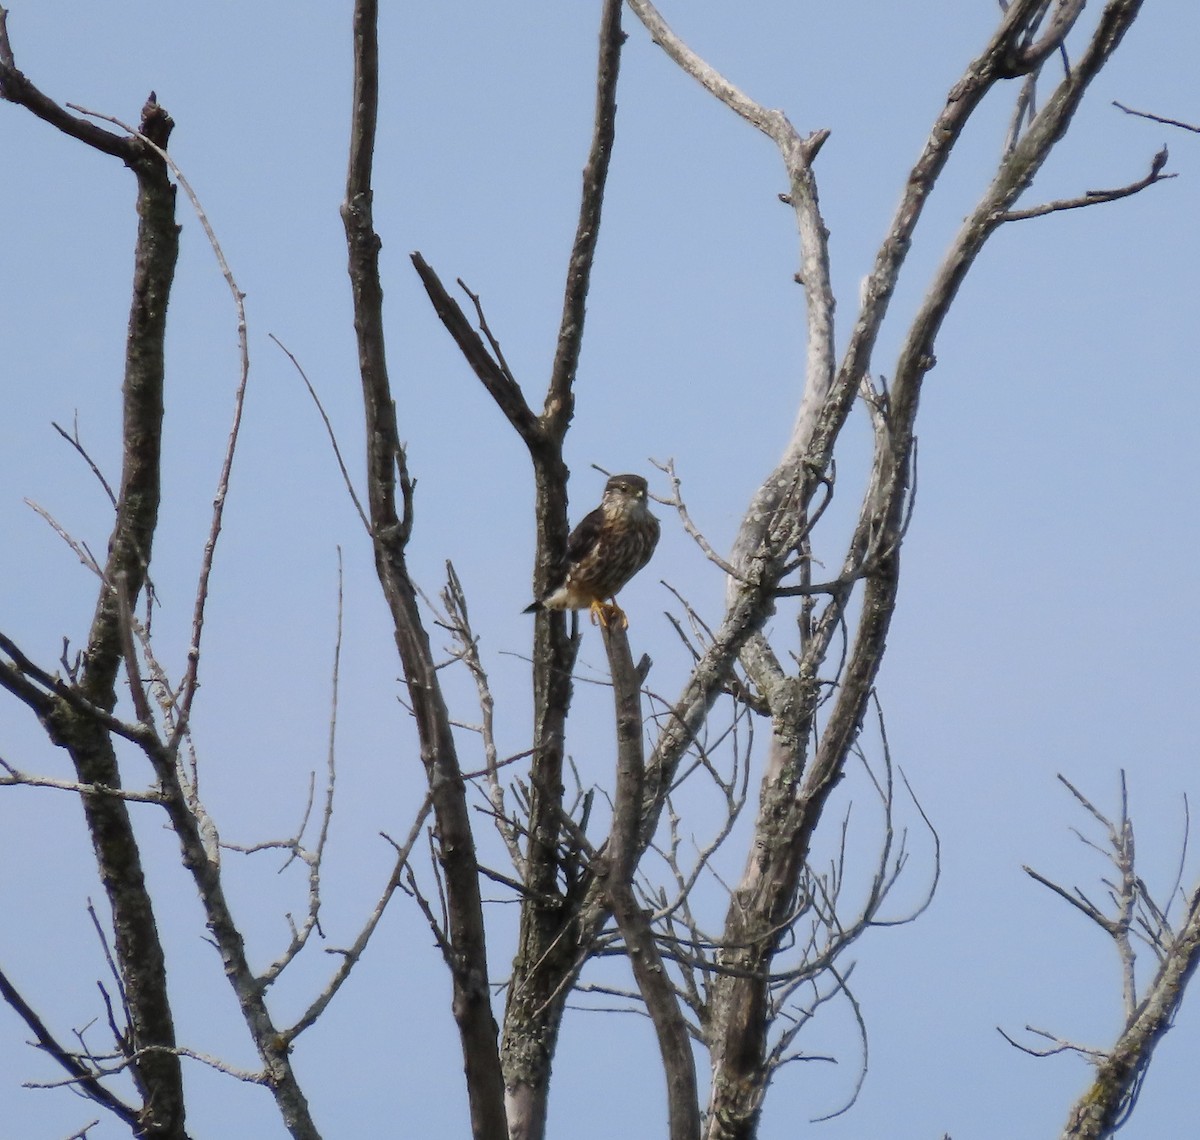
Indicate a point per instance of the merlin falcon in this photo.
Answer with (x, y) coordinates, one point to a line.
(605, 550)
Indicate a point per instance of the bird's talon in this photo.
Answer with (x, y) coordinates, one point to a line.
(609, 612)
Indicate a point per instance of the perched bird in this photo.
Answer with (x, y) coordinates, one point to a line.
(604, 551)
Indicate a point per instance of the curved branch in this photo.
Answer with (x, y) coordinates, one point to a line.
(187, 689)
(789, 483)
(15, 87)
(963, 99)
(1095, 197)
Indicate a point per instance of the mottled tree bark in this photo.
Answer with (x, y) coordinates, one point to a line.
(136, 944)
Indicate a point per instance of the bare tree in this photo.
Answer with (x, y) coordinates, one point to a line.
(1136, 922)
(594, 880)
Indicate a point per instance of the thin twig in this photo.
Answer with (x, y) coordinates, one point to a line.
(187, 689)
(694, 532)
(84, 1079)
(459, 625)
(354, 952)
(1158, 118)
(74, 441)
(313, 857)
(337, 451)
(81, 551)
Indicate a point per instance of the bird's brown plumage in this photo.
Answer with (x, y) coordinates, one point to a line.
(605, 550)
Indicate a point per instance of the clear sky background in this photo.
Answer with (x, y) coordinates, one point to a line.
(1048, 615)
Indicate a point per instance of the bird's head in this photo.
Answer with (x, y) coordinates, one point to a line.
(625, 493)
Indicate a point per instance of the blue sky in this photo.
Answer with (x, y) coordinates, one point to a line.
(1047, 615)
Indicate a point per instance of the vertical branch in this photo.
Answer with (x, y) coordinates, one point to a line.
(649, 970)
(546, 954)
(560, 397)
(755, 923)
(390, 529)
(139, 954)
(187, 690)
(189, 684)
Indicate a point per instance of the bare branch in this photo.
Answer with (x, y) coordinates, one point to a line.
(1095, 197)
(74, 441)
(16, 88)
(337, 451)
(1031, 53)
(560, 398)
(1058, 1045)
(459, 624)
(247, 1076)
(81, 1133)
(623, 851)
(354, 952)
(1159, 118)
(187, 689)
(141, 706)
(861, 1025)
(1120, 1070)
(676, 501)
(84, 1079)
(120, 1036)
(1087, 909)
(798, 154)
(772, 123)
(17, 778)
(84, 555)
(390, 532)
(485, 328)
(499, 382)
(313, 857)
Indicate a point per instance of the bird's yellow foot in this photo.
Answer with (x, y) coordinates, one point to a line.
(606, 613)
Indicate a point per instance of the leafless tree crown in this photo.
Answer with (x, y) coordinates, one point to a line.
(615, 870)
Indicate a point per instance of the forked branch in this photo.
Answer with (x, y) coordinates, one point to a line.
(1120, 1069)
(1095, 197)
